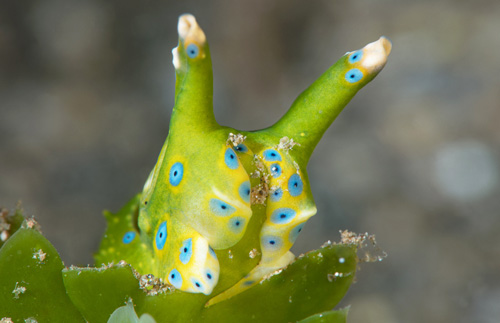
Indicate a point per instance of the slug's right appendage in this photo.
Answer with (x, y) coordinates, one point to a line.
(364, 64)
(317, 107)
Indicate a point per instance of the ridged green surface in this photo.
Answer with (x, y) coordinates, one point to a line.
(309, 285)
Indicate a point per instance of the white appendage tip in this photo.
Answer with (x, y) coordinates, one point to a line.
(375, 54)
(189, 28)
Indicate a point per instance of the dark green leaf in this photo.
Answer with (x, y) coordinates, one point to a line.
(97, 292)
(312, 284)
(30, 280)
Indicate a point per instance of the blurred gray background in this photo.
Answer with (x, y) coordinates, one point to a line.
(86, 91)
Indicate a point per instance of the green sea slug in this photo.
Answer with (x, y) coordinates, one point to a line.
(211, 182)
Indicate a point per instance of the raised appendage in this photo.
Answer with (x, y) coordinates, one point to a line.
(209, 179)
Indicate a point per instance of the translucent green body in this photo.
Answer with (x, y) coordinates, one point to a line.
(215, 188)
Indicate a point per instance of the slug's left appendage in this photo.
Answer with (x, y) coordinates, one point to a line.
(193, 79)
(196, 198)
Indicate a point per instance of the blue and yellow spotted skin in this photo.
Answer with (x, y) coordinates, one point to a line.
(289, 205)
(122, 239)
(209, 181)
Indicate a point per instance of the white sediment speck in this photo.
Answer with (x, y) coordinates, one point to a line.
(18, 290)
(253, 253)
(39, 255)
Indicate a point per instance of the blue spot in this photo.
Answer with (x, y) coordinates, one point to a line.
(295, 185)
(186, 251)
(176, 173)
(209, 275)
(241, 148)
(244, 191)
(197, 284)
(128, 237)
(353, 75)
(294, 233)
(237, 224)
(161, 235)
(230, 159)
(276, 195)
(283, 215)
(276, 170)
(212, 252)
(271, 243)
(356, 56)
(192, 50)
(271, 155)
(221, 208)
(175, 278)
(249, 282)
